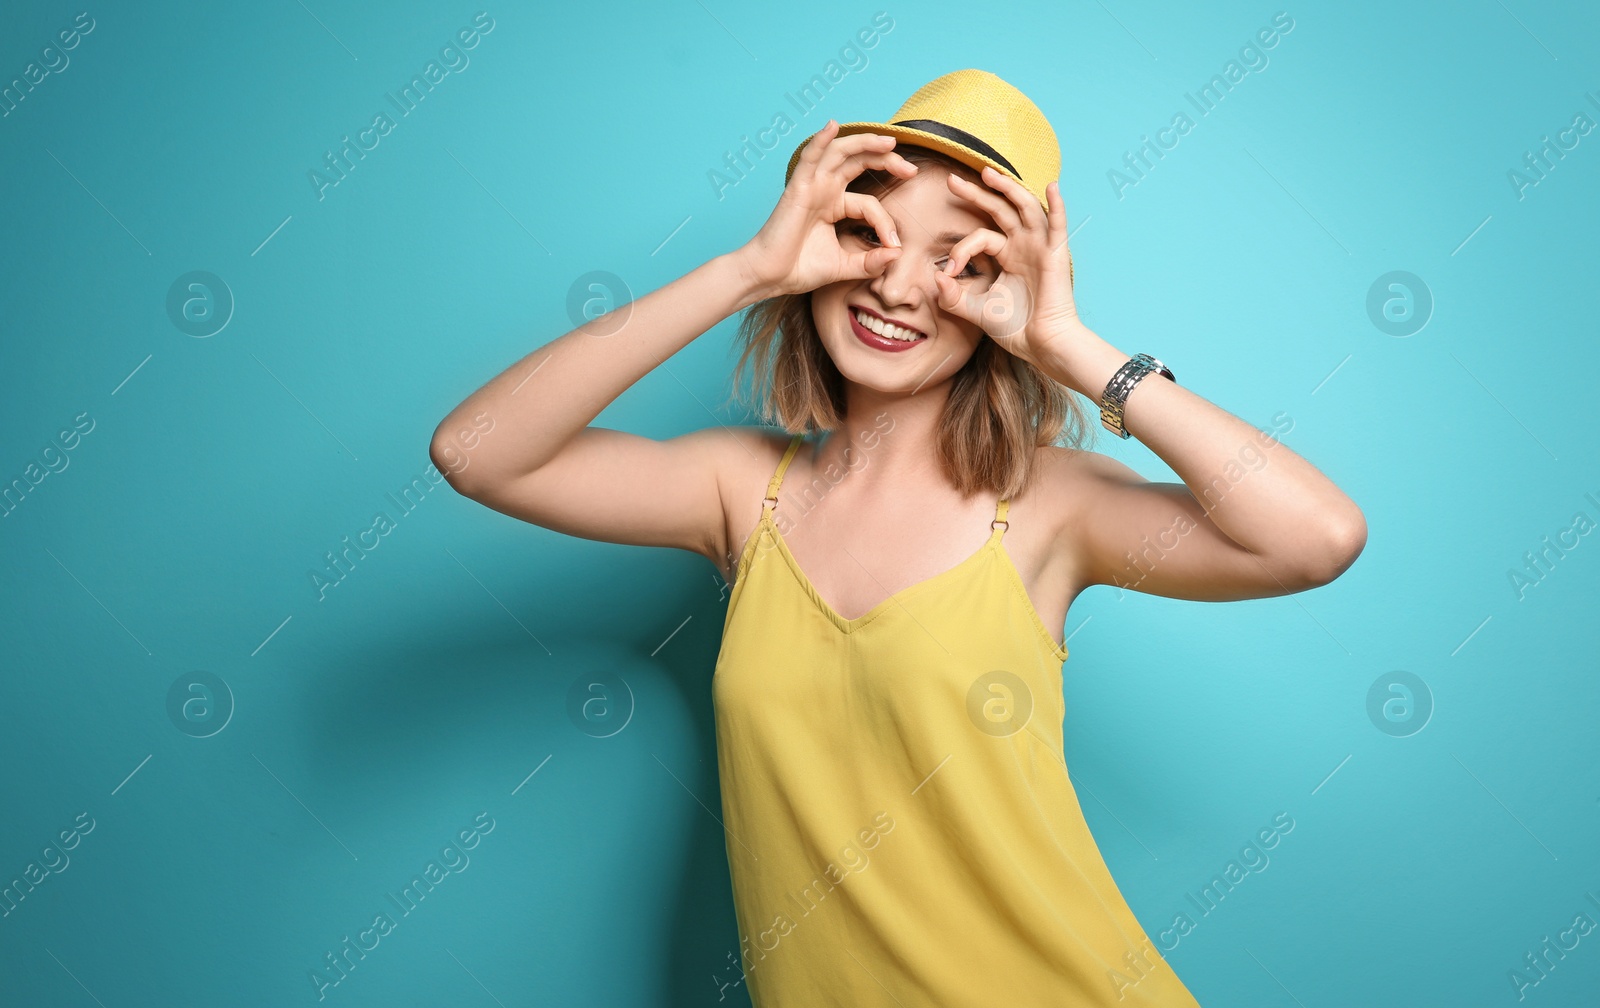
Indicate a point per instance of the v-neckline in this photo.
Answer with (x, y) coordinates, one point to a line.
(851, 625)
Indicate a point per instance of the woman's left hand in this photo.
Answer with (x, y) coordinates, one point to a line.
(1029, 307)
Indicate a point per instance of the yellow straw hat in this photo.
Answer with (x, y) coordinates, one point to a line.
(978, 119)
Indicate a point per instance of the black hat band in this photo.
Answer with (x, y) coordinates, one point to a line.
(961, 137)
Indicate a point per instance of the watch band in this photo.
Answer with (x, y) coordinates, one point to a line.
(1115, 396)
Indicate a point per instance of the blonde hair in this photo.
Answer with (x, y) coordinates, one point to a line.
(1000, 407)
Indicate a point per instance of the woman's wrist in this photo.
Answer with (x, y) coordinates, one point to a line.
(1082, 361)
(750, 286)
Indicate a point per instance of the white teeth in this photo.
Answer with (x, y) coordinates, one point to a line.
(883, 328)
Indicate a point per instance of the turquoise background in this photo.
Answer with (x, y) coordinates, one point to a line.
(238, 841)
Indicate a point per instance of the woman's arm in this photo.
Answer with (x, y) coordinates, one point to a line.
(522, 443)
(530, 451)
(1251, 518)
(1229, 531)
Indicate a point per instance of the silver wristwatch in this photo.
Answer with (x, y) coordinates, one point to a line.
(1116, 393)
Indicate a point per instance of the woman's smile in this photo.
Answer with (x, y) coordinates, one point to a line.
(879, 333)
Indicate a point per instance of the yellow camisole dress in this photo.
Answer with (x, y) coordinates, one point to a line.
(900, 827)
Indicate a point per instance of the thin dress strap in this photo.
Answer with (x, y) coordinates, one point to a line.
(771, 500)
(1000, 524)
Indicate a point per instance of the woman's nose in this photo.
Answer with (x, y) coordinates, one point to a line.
(907, 272)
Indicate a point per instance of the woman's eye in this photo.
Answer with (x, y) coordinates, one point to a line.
(970, 271)
(865, 233)
(869, 234)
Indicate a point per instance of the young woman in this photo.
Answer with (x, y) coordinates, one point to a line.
(900, 826)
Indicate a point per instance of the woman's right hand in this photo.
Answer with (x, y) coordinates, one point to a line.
(798, 248)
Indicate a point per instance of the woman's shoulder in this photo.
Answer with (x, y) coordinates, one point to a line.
(1065, 482)
(1078, 466)
(751, 451)
(745, 458)
(1059, 467)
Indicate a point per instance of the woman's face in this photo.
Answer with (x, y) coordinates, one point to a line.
(929, 219)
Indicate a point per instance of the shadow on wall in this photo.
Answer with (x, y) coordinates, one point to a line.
(439, 695)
